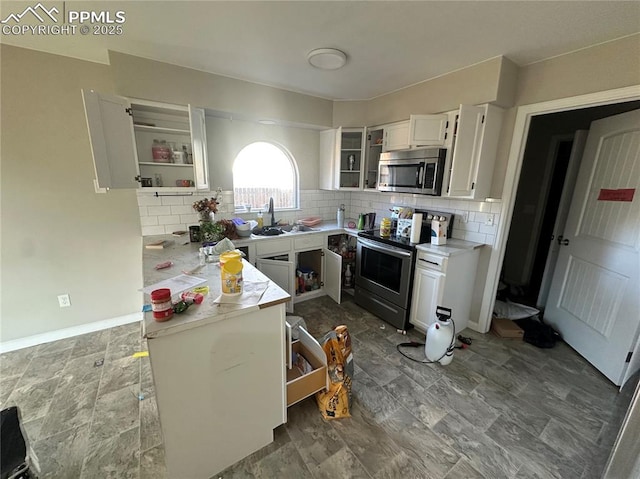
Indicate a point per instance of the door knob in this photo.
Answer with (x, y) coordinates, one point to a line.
(565, 242)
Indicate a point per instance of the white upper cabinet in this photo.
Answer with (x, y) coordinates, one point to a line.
(375, 138)
(329, 151)
(396, 136)
(141, 144)
(342, 159)
(474, 151)
(427, 130)
(199, 148)
(112, 140)
(418, 131)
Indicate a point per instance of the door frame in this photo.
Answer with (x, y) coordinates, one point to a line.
(579, 138)
(512, 176)
(543, 196)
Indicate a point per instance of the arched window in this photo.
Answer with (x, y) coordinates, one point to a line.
(261, 171)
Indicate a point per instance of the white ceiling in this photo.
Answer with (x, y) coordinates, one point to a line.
(389, 44)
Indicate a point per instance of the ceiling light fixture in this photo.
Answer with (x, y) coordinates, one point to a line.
(327, 58)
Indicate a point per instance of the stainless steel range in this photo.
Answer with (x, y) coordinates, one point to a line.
(384, 271)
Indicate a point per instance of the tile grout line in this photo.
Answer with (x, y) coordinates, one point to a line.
(93, 410)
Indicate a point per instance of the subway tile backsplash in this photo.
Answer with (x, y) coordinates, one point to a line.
(165, 214)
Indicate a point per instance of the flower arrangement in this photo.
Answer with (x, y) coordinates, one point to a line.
(210, 230)
(206, 206)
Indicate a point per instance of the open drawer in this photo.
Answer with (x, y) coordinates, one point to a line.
(302, 384)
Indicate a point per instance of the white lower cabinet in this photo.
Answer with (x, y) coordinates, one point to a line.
(302, 381)
(330, 258)
(427, 292)
(279, 270)
(443, 280)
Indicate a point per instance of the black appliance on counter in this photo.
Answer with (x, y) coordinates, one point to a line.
(384, 271)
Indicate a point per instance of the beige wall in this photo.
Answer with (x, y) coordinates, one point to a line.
(58, 235)
(603, 67)
(225, 139)
(152, 80)
(492, 81)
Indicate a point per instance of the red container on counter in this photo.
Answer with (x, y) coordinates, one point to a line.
(190, 297)
(161, 304)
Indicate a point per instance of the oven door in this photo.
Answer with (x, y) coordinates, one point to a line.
(385, 271)
(401, 175)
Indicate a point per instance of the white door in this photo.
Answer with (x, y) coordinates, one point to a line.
(577, 149)
(199, 147)
(332, 274)
(281, 273)
(427, 294)
(396, 137)
(113, 143)
(427, 130)
(329, 150)
(595, 293)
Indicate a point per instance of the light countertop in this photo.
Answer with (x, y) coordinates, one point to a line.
(453, 247)
(185, 258)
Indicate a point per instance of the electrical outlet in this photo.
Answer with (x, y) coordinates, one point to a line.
(464, 217)
(489, 220)
(64, 301)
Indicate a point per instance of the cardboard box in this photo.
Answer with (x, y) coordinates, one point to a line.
(506, 328)
(301, 386)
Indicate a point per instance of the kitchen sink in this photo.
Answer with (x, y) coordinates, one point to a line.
(280, 230)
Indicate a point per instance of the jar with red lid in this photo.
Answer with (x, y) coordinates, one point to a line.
(161, 304)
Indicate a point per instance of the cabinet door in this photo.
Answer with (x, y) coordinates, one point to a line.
(428, 287)
(427, 130)
(465, 159)
(350, 164)
(329, 152)
(199, 148)
(396, 136)
(375, 137)
(281, 273)
(112, 140)
(332, 275)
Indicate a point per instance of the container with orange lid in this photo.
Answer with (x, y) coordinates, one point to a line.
(231, 273)
(161, 304)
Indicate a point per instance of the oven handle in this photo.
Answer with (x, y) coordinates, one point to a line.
(383, 248)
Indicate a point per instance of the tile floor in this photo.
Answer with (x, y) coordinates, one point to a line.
(501, 409)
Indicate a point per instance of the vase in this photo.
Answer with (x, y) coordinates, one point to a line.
(207, 216)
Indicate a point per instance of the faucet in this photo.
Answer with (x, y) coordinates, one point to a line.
(273, 217)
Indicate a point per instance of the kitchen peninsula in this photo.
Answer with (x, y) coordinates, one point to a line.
(218, 369)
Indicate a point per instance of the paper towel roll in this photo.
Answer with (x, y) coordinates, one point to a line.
(416, 227)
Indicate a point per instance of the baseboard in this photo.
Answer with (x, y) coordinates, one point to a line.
(65, 333)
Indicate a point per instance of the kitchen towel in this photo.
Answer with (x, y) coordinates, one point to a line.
(416, 227)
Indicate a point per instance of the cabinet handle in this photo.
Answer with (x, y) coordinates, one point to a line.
(430, 262)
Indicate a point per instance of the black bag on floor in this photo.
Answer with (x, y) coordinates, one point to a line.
(537, 333)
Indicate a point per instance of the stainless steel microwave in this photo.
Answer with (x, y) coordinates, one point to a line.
(412, 171)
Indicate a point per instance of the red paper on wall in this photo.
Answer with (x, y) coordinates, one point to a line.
(621, 194)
